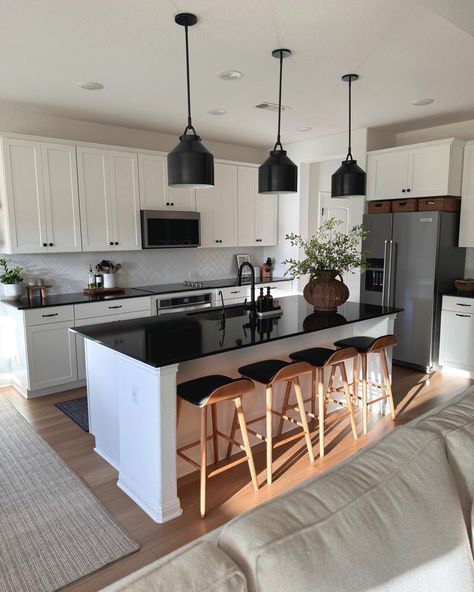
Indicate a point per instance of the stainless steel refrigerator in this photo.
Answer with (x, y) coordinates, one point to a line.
(412, 259)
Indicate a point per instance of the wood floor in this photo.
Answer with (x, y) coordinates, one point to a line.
(230, 493)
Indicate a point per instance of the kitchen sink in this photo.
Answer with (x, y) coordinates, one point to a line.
(216, 314)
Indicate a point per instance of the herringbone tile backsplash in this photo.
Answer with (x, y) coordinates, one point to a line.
(67, 272)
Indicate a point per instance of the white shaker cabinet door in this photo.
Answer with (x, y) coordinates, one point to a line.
(96, 202)
(428, 170)
(266, 219)
(51, 355)
(466, 229)
(387, 175)
(225, 205)
(125, 199)
(61, 198)
(151, 173)
(247, 193)
(457, 340)
(25, 197)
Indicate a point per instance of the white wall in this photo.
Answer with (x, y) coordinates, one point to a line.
(22, 121)
(297, 211)
(463, 130)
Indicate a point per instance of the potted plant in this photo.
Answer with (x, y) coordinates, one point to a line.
(108, 271)
(327, 255)
(11, 279)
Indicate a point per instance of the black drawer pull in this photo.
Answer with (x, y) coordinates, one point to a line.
(118, 306)
(460, 315)
(461, 304)
(53, 314)
(236, 292)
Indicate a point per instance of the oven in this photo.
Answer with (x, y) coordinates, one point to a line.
(182, 302)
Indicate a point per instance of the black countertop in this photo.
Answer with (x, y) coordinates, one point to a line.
(168, 339)
(79, 298)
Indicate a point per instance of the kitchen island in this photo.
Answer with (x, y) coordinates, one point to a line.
(133, 368)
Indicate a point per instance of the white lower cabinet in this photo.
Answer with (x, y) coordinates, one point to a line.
(457, 334)
(51, 355)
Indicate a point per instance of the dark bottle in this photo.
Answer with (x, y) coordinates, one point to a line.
(269, 300)
(261, 302)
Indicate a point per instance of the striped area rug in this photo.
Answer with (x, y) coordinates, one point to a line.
(53, 530)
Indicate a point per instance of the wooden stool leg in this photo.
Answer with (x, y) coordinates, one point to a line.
(269, 431)
(284, 408)
(355, 376)
(347, 393)
(321, 405)
(246, 441)
(388, 386)
(203, 450)
(233, 429)
(330, 388)
(313, 391)
(304, 421)
(179, 406)
(364, 394)
(214, 433)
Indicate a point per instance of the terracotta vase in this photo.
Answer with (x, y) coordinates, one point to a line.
(325, 292)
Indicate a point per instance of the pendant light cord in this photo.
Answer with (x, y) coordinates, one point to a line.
(188, 85)
(278, 142)
(349, 149)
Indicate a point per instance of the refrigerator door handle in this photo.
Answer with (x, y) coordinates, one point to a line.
(386, 264)
(391, 283)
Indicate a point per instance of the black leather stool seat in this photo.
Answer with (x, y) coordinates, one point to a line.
(264, 371)
(361, 344)
(199, 390)
(316, 356)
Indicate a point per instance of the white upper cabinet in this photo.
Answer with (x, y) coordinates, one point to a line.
(419, 170)
(466, 229)
(154, 191)
(257, 214)
(218, 208)
(39, 197)
(109, 199)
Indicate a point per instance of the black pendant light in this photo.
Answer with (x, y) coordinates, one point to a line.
(349, 180)
(190, 164)
(278, 174)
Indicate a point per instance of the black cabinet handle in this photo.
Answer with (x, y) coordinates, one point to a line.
(116, 243)
(53, 314)
(408, 190)
(172, 203)
(111, 243)
(51, 244)
(167, 203)
(460, 315)
(403, 190)
(119, 306)
(236, 292)
(45, 244)
(462, 304)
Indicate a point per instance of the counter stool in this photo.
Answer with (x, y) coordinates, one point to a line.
(269, 373)
(320, 358)
(206, 392)
(364, 346)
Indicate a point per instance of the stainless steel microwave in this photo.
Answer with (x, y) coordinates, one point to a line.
(164, 229)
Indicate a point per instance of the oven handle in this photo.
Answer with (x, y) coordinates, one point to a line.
(183, 308)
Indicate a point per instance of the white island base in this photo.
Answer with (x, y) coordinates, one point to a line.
(132, 408)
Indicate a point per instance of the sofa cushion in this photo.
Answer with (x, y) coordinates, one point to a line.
(199, 567)
(387, 519)
(456, 425)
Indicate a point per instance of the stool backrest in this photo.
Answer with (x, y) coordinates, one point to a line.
(230, 391)
(342, 354)
(292, 371)
(383, 342)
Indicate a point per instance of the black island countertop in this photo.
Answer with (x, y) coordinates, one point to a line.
(155, 290)
(169, 339)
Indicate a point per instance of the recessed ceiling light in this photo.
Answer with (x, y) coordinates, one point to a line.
(421, 102)
(90, 85)
(217, 112)
(230, 75)
(303, 128)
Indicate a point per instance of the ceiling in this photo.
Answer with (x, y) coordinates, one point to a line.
(402, 50)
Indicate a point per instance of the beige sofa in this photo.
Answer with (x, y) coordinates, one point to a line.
(397, 516)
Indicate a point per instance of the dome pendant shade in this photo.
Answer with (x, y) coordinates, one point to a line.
(349, 180)
(190, 164)
(278, 174)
